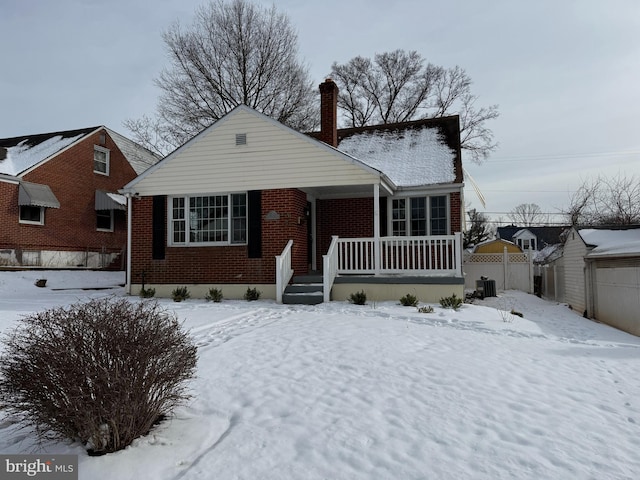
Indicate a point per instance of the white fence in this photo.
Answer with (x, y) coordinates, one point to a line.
(511, 271)
(552, 280)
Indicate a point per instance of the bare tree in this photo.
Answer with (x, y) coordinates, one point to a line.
(397, 87)
(528, 215)
(234, 53)
(606, 201)
(479, 229)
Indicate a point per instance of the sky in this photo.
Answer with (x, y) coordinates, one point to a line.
(565, 74)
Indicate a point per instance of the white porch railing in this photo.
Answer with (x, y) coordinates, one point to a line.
(329, 268)
(284, 272)
(437, 255)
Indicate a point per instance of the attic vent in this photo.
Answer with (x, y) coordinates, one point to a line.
(241, 139)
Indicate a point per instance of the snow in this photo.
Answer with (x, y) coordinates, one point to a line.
(23, 156)
(378, 391)
(408, 158)
(610, 242)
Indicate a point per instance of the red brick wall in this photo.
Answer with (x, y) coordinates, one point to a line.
(72, 226)
(456, 211)
(223, 264)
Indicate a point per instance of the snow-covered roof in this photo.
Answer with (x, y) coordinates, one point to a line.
(22, 153)
(410, 157)
(548, 254)
(611, 242)
(19, 154)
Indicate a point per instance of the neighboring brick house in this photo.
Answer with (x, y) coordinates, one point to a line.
(376, 208)
(59, 205)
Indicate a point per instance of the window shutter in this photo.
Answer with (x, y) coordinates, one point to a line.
(383, 216)
(254, 241)
(159, 227)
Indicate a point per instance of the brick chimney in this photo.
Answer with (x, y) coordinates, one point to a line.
(329, 112)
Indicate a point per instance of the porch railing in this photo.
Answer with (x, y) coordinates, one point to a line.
(284, 271)
(428, 255)
(329, 268)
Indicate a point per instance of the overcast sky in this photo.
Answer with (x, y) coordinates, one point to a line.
(565, 73)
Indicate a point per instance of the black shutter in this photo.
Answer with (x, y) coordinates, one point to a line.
(383, 216)
(159, 227)
(254, 242)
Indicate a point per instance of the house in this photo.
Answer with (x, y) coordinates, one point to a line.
(602, 275)
(59, 205)
(534, 238)
(249, 202)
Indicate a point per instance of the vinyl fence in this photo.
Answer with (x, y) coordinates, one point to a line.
(511, 271)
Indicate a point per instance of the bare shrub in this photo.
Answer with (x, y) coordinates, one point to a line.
(101, 372)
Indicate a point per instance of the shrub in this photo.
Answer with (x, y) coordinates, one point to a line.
(518, 314)
(180, 293)
(451, 302)
(358, 298)
(252, 294)
(147, 292)
(102, 372)
(214, 294)
(409, 300)
(426, 309)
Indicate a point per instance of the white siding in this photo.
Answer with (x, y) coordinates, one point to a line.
(274, 157)
(574, 271)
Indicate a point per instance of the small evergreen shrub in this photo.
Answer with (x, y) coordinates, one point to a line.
(358, 298)
(252, 294)
(180, 293)
(147, 292)
(214, 295)
(451, 302)
(409, 300)
(101, 372)
(517, 314)
(426, 309)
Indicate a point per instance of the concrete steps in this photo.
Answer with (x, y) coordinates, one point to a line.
(304, 290)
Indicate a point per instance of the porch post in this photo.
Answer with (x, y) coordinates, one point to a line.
(376, 228)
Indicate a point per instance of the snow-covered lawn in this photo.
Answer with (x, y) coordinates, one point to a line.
(381, 391)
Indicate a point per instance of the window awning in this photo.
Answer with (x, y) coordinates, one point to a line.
(36, 195)
(110, 201)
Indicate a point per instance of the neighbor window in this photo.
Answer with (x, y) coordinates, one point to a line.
(418, 216)
(209, 220)
(100, 160)
(31, 214)
(104, 220)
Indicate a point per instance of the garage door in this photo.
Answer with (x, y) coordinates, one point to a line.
(617, 293)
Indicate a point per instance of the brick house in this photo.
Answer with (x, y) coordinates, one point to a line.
(248, 202)
(59, 205)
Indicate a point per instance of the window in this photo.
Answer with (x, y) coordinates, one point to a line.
(419, 216)
(100, 160)
(104, 220)
(209, 220)
(31, 214)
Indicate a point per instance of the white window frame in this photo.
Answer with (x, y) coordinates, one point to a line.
(111, 215)
(31, 222)
(97, 148)
(186, 222)
(407, 217)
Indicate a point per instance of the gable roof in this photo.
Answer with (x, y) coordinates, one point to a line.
(271, 156)
(19, 154)
(547, 235)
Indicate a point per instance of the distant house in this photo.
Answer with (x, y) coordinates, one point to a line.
(250, 202)
(59, 205)
(602, 275)
(534, 238)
